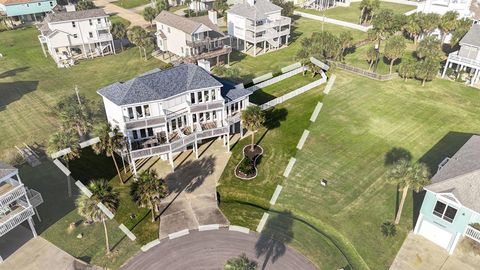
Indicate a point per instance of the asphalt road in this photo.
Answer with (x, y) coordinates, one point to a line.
(211, 249)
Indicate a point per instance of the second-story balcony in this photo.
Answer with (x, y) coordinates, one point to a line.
(177, 140)
(258, 27)
(207, 106)
(101, 38)
(103, 25)
(11, 191)
(13, 217)
(456, 58)
(145, 122)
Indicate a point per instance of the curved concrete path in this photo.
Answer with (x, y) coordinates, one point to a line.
(210, 250)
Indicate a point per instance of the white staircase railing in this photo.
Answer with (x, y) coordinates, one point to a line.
(473, 233)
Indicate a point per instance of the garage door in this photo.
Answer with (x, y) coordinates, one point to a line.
(435, 234)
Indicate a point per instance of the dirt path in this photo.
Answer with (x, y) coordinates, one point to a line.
(110, 8)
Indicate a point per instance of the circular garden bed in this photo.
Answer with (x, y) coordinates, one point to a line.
(247, 168)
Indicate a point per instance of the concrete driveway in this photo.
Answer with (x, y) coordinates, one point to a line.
(110, 8)
(211, 249)
(23, 252)
(192, 201)
(418, 253)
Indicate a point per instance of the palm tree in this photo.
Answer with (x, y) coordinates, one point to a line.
(407, 175)
(253, 118)
(75, 113)
(430, 48)
(138, 36)
(110, 141)
(371, 56)
(406, 69)
(426, 69)
(448, 22)
(394, 49)
(84, 5)
(148, 191)
(187, 3)
(241, 262)
(119, 31)
(149, 14)
(87, 207)
(346, 40)
(412, 27)
(61, 140)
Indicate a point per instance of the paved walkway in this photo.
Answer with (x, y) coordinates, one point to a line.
(211, 249)
(417, 253)
(193, 198)
(21, 252)
(110, 8)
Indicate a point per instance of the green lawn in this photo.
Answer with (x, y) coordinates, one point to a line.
(116, 18)
(352, 13)
(58, 211)
(361, 121)
(30, 85)
(131, 3)
(251, 67)
(358, 58)
(278, 89)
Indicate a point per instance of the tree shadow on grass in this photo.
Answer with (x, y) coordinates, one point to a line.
(92, 166)
(274, 117)
(190, 175)
(396, 154)
(277, 233)
(13, 72)
(14, 91)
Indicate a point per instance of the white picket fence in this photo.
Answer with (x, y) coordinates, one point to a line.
(294, 93)
(276, 79)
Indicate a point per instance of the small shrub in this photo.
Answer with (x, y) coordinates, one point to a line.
(247, 166)
(388, 229)
(13, 157)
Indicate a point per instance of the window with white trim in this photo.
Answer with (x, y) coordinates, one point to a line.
(444, 211)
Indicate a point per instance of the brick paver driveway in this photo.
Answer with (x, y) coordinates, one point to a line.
(211, 249)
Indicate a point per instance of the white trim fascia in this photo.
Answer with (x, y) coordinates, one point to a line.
(456, 202)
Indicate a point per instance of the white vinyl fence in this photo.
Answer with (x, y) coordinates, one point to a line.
(294, 93)
(276, 79)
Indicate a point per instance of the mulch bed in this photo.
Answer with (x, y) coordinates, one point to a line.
(251, 155)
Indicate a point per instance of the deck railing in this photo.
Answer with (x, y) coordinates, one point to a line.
(463, 60)
(15, 220)
(12, 195)
(473, 233)
(35, 197)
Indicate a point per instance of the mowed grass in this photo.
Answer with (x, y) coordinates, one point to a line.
(31, 85)
(251, 67)
(131, 3)
(361, 121)
(352, 12)
(283, 87)
(59, 211)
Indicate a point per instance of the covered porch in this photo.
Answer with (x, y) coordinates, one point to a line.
(471, 66)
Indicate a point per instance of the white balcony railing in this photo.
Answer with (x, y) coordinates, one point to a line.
(473, 233)
(35, 197)
(12, 195)
(101, 38)
(454, 57)
(15, 218)
(103, 26)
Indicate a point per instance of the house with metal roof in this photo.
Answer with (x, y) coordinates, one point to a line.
(69, 35)
(258, 26)
(162, 112)
(467, 58)
(451, 207)
(17, 203)
(21, 11)
(192, 39)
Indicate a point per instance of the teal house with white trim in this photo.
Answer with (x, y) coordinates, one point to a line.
(452, 201)
(21, 11)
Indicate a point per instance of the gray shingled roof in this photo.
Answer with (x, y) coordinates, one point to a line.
(461, 175)
(472, 37)
(75, 15)
(255, 12)
(6, 169)
(230, 93)
(179, 22)
(159, 84)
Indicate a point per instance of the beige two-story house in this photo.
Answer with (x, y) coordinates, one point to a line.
(192, 39)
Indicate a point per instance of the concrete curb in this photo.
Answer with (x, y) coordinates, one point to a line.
(276, 194)
(262, 222)
(289, 167)
(178, 234)
(150, 245)
(208, 227)
(239, 229)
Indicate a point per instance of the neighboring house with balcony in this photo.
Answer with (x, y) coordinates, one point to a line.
(163, 112)
(17, 202)
(467, 58)
(69, 35)
(463, 7)
(21, 11)
(451, 204)
(192, 39)
(258, 26)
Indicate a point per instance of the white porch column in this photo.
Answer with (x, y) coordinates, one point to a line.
(37, 214)
(195, 147)
(445, 69)
(241, 130)
(30, 222)
(228, 143)
(44, 53)
(170, 158)
(134, 164)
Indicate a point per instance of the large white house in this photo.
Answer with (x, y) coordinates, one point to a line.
(162, 112)
(465, 8)
(17, 203)
(70, 35)
(192, 39)
(467, 58)
(258, 26)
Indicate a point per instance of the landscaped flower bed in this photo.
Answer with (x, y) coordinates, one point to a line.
(247, 168)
